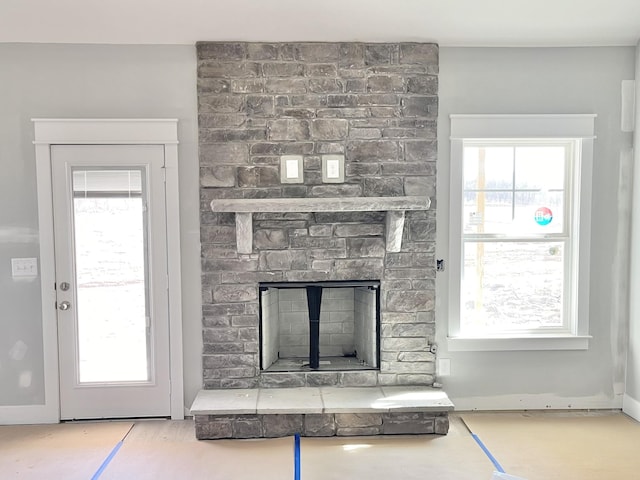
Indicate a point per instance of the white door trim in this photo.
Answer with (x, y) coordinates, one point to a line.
(103, 132)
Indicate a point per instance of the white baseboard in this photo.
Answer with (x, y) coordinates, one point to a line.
(28, 414)
(536, 402)
(631, 407)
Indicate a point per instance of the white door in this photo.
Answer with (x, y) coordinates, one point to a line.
(111, 280)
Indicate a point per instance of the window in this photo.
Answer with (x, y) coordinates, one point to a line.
(519, 232)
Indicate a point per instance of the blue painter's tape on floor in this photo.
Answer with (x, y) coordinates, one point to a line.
(488, 453)
(107, 460)
(112, 454)
(296, 457)
(483, 447)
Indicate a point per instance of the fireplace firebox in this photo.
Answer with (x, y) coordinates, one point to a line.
(311, 326)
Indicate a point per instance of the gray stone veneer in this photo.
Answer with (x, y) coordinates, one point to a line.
(376, 104)
(213, 427)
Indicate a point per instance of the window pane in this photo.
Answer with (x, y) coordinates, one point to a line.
(534, 205)
(488, 212)
(488, 168)
(539, 213)
(510, 286)
(540, 168)
(532, 213)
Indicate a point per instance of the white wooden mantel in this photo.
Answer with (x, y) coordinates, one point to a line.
(394, 206)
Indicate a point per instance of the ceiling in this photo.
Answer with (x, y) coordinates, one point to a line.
(447, 22)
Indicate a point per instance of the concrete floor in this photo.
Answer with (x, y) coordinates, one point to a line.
(535, 446)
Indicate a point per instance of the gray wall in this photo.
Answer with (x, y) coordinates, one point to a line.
(633, 359)
(579, 80)
(133, 81)
(65, 81)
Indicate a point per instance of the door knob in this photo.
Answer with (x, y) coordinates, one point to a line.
(64, 306)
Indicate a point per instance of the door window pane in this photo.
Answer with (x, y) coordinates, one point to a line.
(111, 275)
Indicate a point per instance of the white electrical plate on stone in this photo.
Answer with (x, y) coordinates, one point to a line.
(291, 169)
(24, 267)
(333, 168)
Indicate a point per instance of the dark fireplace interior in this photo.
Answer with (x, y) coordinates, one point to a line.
(326, 326)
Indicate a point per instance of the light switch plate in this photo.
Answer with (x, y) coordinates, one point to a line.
(333, 168)
(24, 267)
(291, 167)
(444, 367)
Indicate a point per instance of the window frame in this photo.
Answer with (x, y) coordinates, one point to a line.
(577, 130)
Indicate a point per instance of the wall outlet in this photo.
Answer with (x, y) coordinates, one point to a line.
(444, 367)
(24, 267)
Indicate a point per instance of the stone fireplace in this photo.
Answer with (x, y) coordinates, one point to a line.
(374, 107)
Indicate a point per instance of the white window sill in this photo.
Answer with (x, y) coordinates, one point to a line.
(529, 342)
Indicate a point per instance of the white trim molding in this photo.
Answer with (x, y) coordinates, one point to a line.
(537, 401)
(522, 126)
(631, 407)
(114, 131)
(504, 344)
(578, 132)
(108, 131)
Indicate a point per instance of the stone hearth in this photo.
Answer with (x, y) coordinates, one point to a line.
(375, 107)
(320, 412)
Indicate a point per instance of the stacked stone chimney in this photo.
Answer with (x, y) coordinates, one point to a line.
(375, 104)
